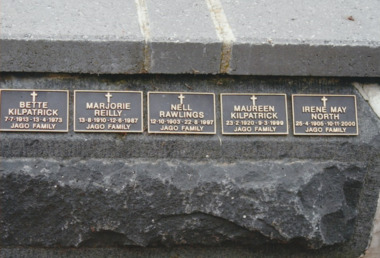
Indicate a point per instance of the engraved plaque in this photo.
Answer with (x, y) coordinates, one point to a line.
(181, 113)
(34, 110)
(108, 111)
(324, 114)
(254, 114)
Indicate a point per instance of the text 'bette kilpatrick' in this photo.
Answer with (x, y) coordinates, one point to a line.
(34, 110)
(181, 113)
(108, 111)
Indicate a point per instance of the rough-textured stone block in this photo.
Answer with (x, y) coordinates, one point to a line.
(145, 202)
(292, 194)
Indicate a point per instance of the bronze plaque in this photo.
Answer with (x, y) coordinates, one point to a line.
(181, 113)
(254, 114)
(324, 114)
(108, 111)
(34, 110)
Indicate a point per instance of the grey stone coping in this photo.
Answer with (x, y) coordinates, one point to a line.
(293, 38)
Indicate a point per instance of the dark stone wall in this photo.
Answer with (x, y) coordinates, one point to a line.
(187, 195)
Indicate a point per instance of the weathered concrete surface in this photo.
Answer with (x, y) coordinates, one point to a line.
(183, 39)
(297, 38)
(270, 194)
(70, 36)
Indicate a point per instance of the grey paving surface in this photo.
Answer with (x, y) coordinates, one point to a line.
(70, 36)
(305, 37)
(78, 20)
(298, 22)
(338, 38)
(183, 37)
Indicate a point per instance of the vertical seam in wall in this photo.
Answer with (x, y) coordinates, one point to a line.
(142, 12)
(224, 32)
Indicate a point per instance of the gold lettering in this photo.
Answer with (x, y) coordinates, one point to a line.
(180, 107)
(95, 127)
(243, 129)
(118, 127)
(181, 114)
(253, 115)
(169, 128)
(28, 104)
(32, 112)
(313, 130)
(19, 126)
(108, 106)
(336, 129)
(259, 108)
(192, 128)
(338, 109)
(44, 126)
(321, 116)
(314, 109)
(265, 129)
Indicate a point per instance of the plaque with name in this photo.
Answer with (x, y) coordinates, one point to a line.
(108, 111)
(181, 113)
(34, 110)
(324, 114)
(254, 114)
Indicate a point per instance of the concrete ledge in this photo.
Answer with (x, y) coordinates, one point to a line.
(306, 59)
(206, 37)
(95, 57)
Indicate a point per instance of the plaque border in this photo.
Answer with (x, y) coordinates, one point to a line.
(41, 131)
(263, 94)
(176, 93)
(326, 134)
(109, 131)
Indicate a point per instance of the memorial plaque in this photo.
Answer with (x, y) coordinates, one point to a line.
(254, 114)
(108, 111)
(324, 114)
(34, 110)
(181, 113)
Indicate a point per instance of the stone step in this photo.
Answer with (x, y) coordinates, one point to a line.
(321, 38)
